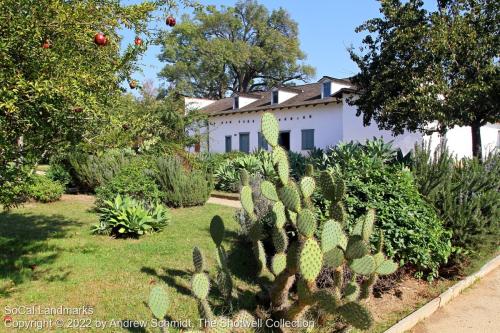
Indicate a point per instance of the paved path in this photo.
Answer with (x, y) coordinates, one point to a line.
(476, 310)
(224, 202)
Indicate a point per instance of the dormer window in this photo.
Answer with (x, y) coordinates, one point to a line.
(236, 103)
(275, 97)
(326, 90)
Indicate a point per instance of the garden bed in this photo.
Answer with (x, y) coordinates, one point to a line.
(50, 258)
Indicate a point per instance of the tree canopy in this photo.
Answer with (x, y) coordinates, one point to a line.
(420, 67)
(233, 49)
(56, 81)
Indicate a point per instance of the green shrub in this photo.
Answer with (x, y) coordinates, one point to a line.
(14, 185)
(134, 180)
(125, 217)
(180, 187)
(57, 172)
(466, 194)
(93, 171)
(44, 189)
(258, 163)
(414, 233)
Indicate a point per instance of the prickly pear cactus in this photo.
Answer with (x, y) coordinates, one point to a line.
(302, 247)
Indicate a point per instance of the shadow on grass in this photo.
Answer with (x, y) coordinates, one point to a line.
(24, 251)
(170, 278)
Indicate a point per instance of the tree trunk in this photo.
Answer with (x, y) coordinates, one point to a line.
(476, 140)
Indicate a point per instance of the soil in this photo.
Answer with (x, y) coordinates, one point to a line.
(405, 296)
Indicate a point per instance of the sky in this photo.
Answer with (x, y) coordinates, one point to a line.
(326, 31)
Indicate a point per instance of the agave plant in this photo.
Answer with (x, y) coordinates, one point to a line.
(125, 216)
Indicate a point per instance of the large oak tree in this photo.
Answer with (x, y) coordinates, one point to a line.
(233, 49)
(419, 68)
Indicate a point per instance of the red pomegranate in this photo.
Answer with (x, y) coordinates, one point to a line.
(170, 21)
(138, 41)
(78, 110)
(7, 319)
(46, 44)
(100, 39)
(133, 84)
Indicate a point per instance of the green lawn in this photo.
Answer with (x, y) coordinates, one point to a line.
(74, 268)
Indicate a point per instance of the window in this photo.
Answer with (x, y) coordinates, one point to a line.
(229, 146)
(275, 99)
(262, 141)
(307, 139)
(236, 103)
(327, 89)
(245, 142)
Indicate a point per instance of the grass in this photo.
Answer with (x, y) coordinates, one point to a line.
(48, 258)
(73, 268)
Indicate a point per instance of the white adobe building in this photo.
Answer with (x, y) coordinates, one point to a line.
(311, 115)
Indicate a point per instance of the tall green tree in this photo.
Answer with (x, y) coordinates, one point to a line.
(55, 81)
(233, 49)
(419, 68)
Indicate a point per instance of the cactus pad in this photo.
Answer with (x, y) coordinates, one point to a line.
(304, 293)
(351, 291)
(221, 257)
(244, 322)
(198, 262)
(307, 186)
(310, 260)
(246, 199)
(363, 266)
(279, 214)
(356, 315)
(205, 309)
(278, 263)
(387, 267)
(280, 239)
(279, 154)
(306, 223)
(290, 197)
(218, 325)
(200, 285)
(283, 169)
(269, 190)
(256, 231)
(158, 302)
(338, 213)
(217, 230)
(331, 235)
(260, 254)
(292, 216)
(309, 170)
(369, 220)
(270, 129)
(327, 185)
(356, 248)
(244, 177)
(327, 300)
(379, 258)
(225, 283)
(333, 258)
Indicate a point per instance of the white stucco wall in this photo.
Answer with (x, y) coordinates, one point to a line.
(326, 120)
(354, 130)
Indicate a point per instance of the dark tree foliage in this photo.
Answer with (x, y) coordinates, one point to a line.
(431, 70)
